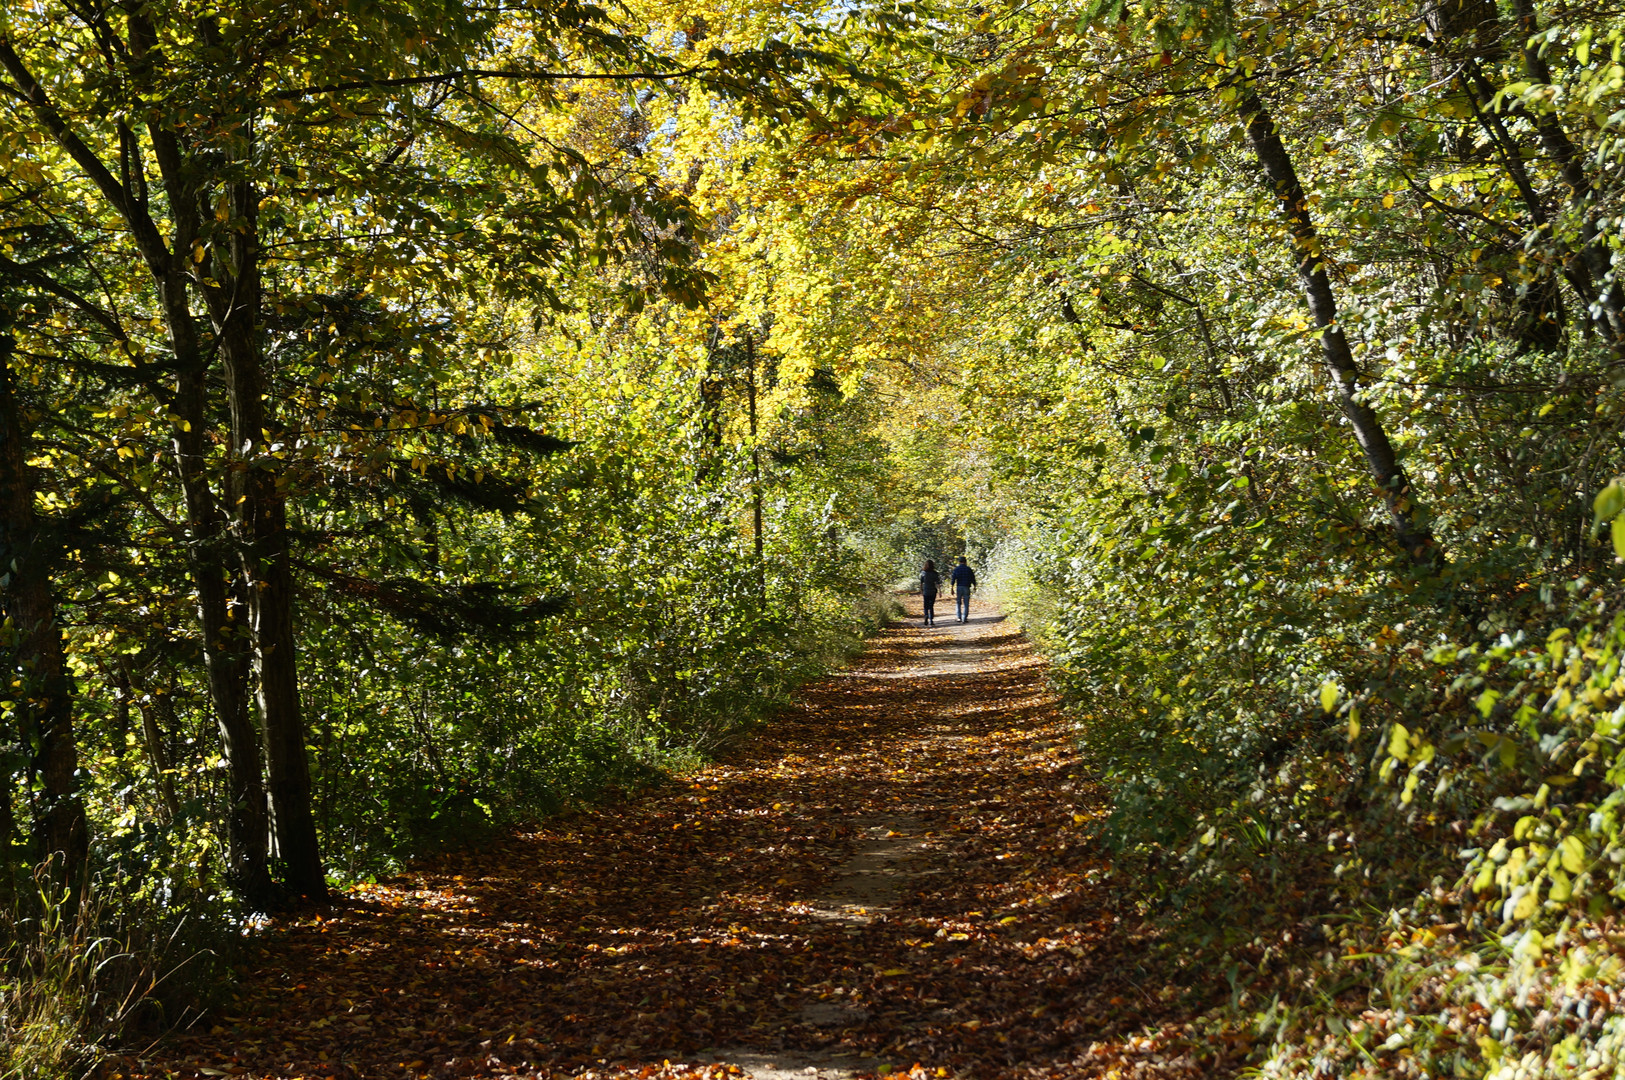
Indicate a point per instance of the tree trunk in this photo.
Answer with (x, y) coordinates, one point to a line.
(154, 737)
(711, 394)
(1595, 258)
(44, 701)
(8, 832)
(755, 475)
(224, 641)
(262, 533)
(1380, 457)
(226, 621)
(221, 622)
(1466, 27)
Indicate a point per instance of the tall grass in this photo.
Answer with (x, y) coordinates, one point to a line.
(78, 974)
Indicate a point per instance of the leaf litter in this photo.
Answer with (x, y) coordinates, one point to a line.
(892, 878)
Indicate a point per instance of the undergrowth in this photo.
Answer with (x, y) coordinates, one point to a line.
(1402, 848)
(85, 970)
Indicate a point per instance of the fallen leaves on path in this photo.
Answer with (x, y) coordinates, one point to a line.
(690, 928)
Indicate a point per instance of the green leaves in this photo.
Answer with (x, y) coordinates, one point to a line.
(1607, 507)
(1572, 853)
(1609, 502)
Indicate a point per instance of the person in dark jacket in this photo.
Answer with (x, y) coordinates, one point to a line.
(964, 579)
(930, 581)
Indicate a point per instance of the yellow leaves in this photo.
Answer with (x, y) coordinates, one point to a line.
(1572, 854)
(1408, 792)
(29, 172)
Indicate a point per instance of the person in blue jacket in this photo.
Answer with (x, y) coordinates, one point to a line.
(964, 579)
(930, 582)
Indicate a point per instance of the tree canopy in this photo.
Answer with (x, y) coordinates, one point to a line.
(415, 418)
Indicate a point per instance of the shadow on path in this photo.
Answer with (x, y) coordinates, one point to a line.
(892, 877)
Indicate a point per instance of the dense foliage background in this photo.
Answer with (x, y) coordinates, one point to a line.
(414, 420)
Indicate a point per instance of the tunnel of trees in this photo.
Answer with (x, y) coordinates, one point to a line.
(416, 418)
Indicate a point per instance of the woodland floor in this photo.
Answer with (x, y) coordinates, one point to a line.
(893, 877)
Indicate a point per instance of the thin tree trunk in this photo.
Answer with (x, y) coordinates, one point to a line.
(1461, 36)
(223, 643)
(1540, 303)
(711, 392)
(221, 619)
(755, 472)
(225, 639)
(1595, 256)
(1381, 460)
(44, 705)
(152, 740)
(1464, 33)
(262, 528)
(229, 643)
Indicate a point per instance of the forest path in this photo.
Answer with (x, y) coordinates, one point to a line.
(893, 874)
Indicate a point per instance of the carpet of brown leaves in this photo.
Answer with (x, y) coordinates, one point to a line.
(692, 930)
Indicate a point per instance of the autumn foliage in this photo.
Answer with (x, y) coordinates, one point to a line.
(422, 424)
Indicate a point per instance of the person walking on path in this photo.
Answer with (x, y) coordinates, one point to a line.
(964, 579)
(930, 581)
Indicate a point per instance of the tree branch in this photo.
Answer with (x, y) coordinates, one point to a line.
(153, 248)
(34, 276)
(486, 73)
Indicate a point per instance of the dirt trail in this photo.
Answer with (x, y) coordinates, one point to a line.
(891, 878)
